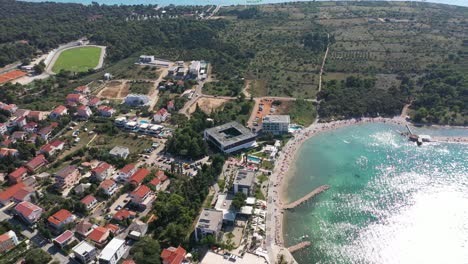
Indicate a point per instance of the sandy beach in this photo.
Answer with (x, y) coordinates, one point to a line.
(288, 154)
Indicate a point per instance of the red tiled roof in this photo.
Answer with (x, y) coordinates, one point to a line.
(11, 191)
(123, 214)
(81, 88)
(21, 194)
(59, 216)
(18, 173)
(141, 191)
(161, 112)
(101, 167)
(88, 199)
(94, 101)
(99, 234)
(36, 162)
(26, 208)
(128, 262)
(67, 171)
(113, 228)
(7, 152)
(82, 108)
(106, 184)
(59, 109)
(155, 182)
(65, 236)
(173, 255)
(4, 237)
(74, 97)
(139, 175)
(161, 175)
(127, 168)
(57, 143)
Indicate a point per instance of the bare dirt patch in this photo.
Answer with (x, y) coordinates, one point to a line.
(207, 105)
(115, 90)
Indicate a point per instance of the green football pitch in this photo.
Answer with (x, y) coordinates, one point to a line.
(77, 59)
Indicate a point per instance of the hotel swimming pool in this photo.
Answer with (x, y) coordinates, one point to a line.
(293, 128)
(254, 159)
(143, 122)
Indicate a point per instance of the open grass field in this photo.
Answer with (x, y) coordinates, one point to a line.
(77, 59)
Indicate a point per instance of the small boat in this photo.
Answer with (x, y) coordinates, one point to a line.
(347, 142)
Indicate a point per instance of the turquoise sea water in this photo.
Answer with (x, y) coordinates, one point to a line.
(211, 2)
(389, 202)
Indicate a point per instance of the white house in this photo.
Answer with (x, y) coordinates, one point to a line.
(84, 111)
(113, 252)
(119, 151)
(161, 115)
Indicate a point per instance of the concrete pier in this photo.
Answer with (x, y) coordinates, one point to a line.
(299, 246)
(307, 197)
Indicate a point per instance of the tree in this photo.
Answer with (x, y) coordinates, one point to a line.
(146, 251)
(39, 68)
(239, 200)
(37, 256)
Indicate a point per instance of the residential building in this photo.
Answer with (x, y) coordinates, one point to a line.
(28, 212)
(194, 68)
(5, 152)
(17, 193)
(161, 115)
(53, 147)
(127, 171)
(108, 186)
(89, 201)
(30, 127)
(58, 112)
(84, 228)
(230, 137)
(75, 99)
(3, 129)
(138, 226)
(276, 124)
(119, 151)
(18, 135)
(8, 241)
(60, 219)
(140, 194)
(99, 236)
(84, 112)
(124, 214)
(106, 111)
(82, 90)
(37, 116)
(36, 163)
(162, 176)
(20, 121)
(17, 175)
(8, 107)
(94, 102)
(155, 183)
(84, 252)
(244, 182)
(46, 132)
(82, 187)
(209, 223)
(67, 177)
(64, 239)
(102, 171)
(138, 177)
(146, 59)
(136, 100)
(113, 252)
(172, 255)
(170, 105)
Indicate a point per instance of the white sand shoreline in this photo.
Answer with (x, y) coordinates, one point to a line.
(288, 155)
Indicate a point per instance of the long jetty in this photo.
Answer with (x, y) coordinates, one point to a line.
(303, 244)
(304, 199)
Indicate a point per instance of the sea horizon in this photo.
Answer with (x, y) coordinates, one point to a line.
(461, 3)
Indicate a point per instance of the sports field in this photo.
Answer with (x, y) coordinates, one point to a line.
(77, 59)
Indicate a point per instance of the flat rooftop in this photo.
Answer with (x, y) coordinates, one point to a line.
(111, 248)
(210, 219)
(277, 119)
(83, 247)
(244, 177)
(230, 133)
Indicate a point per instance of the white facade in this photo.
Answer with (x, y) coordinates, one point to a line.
(84, 252)
(276, 124)
(113, 252)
